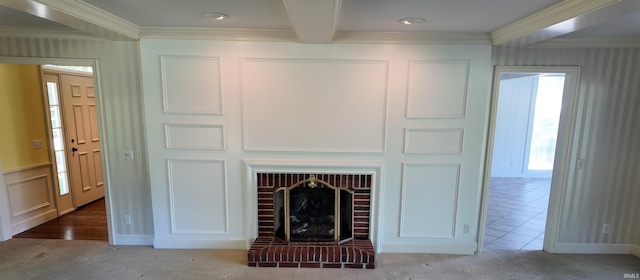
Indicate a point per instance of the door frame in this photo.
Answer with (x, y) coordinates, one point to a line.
(5, 214)
(562, 161)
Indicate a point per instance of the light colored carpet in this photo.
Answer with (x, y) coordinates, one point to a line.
(60, 259)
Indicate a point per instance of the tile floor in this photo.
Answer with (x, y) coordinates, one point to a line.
(517, 213)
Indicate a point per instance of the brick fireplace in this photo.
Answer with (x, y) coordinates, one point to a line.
(351, 248)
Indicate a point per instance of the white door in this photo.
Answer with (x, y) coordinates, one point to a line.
(82, 137)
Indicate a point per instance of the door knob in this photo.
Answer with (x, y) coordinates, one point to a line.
(74, 149)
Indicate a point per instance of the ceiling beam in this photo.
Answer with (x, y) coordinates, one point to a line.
(314, 21)
(565, 17)
(78, 15)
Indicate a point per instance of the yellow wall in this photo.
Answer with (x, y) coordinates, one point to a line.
(22, 117)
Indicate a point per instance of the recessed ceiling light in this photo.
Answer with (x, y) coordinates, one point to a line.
(409, 21)
(216, 16)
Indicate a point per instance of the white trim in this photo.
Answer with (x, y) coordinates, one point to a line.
(176, 243)
(133, 239)
(557, 13)
(587, 248)
(5, 210)
(172, 208)
(343, 37)
(47, 187)
(252, 167)
(465, 94)
(89, 13)
(25, 168)
(408, 130)
(40, 32)
(403, 193)
(635, 250)
(34, 221)
(468, 248)
(587, 43)
(169, 146)
(221, 34)
(385, 113)
(165, 94)
(422, 38)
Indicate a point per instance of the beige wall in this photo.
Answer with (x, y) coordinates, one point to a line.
(21, 117)
(607, 136)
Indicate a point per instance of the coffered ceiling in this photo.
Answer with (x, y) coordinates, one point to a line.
(497, 22)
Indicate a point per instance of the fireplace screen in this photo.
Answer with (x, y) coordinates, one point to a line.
(312, 211)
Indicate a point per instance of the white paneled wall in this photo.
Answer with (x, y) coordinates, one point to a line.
(607, 136)
(120, 118)
(212, 107)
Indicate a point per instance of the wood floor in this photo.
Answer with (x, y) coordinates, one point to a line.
(88, 222)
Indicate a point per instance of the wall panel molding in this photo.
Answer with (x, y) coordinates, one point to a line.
(437, 88)
(433, 141)
(313, 105)
(191, 85)
(17, 190)
(193, 136)
(198, 191)
(429, 188)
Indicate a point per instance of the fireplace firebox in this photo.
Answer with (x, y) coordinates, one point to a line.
(313, 212)
(313, 220)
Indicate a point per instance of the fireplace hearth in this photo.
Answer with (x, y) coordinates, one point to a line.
(313, 220)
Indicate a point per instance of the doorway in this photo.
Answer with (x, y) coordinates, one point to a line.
(530, 126)
(76, 173)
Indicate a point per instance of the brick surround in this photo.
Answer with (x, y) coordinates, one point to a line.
(268, 251)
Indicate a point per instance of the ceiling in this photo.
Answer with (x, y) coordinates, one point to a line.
(497, 22)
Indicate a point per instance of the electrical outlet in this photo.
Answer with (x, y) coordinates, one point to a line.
(127, 219)
(606, 228)
(36, 144)
(465, 229)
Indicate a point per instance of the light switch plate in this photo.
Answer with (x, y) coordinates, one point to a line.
(127, 155)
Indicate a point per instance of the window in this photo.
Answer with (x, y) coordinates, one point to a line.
(58, 139)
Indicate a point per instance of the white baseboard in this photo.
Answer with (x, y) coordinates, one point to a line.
(133, 239)
(584, 248)
(34, 221)
(456, 249)
(174, 243)
(635, 250)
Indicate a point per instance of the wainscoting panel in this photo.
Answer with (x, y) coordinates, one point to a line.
(30, 195)
(438, 88)
(428, 189)
(198, 194)
(324, 105)
(192, 85)
(194, 136)
(433, 141)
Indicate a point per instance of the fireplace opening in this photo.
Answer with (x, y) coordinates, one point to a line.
(313, 220)
(312, 211)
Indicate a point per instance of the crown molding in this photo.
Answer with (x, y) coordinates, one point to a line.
(50, 32)
(587, 43)
(95, 16)
(223, 34)
(560, 12)
(427, 38)
(280, 35)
